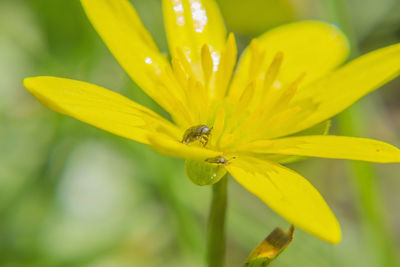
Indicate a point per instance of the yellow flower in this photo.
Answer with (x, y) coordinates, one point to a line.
(286, 86)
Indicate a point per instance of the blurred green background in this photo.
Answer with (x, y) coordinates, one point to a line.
(73, 195)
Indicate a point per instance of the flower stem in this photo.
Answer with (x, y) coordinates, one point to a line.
(216, 224)
(353, 122)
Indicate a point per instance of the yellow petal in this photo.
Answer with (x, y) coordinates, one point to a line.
(122, 31)
(310, 46)
(190, 24)
(177, 149)
(339, 147)
(99, 107)
(318, 129)
(288, 194)
(340, 89)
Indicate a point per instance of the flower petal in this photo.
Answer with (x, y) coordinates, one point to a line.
(131, 44)
(310, 47)
(100, 107)
(340, 147)
(177, 149)
(191, 24)
(340, 89)
(288, 194)
(318, 129)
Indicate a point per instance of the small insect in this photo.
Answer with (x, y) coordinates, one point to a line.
(199, 132)
(218, 160)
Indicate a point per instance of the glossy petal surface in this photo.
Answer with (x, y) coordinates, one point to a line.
(191, 24)
(288, 194)
(121, 29)
(337, 147)
(100, 107)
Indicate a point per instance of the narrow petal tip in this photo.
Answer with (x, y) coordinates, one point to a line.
(333, 233)
(27, 83)
(30, 83)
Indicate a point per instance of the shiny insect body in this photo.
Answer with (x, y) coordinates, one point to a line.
(218, 160)
(200, 133)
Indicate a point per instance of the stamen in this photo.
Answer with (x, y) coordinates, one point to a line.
(170, 100)
(226, 67)
(180, 72)
(290, 92)
(219, 125)
(197, 99)
(279, 99)
(272, 73)
(180, 92)
(207, 64)
(257, 59)
(269, 94)
(196, 92)
(185, 63)
(244, 101)
(184, 118)
(296, 113)
(276, 105)
(283, 111)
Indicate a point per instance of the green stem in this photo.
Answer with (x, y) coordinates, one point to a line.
(216, 225)
(353, 122)
(367, 191)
